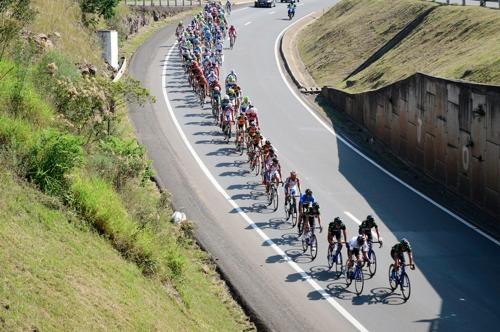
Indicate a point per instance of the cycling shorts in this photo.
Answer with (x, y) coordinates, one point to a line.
(398, 255)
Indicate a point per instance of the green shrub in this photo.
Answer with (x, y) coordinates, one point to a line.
(52, 157)
(121, 160)
(14, 131)
(45, 73)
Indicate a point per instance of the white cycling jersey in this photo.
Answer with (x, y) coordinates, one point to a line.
(353, 244)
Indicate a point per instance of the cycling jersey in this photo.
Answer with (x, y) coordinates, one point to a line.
(335, 228)
(251, 114)
(398, 248)
(242, 120)
(307, 199)
(228, 114)
(367, 226)
(354, 245)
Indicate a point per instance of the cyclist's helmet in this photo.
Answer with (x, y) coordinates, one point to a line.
(275, 160)
(180, 23)
(252, 124)
(230, 91)
(309, 192)
(254, 109)
(226, 97)
(337, 220)
(293, 174)
(268, 142)
(405, 243)
(245, 100)
(216, 88)
(361, 240)
(369, 217)
(315, 205)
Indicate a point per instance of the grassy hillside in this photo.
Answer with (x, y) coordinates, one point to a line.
(453, 41)
(86, 241)
(338, 42)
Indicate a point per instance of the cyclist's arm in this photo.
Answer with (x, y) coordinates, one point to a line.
(345, 235)
(378, 234)
(410, 256)
(319, 220)
(330, 238)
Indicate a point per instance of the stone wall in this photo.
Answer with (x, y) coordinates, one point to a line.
(448, 129)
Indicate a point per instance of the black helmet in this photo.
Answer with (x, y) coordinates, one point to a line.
(369, 217)
(275, 160)
(315, 205)
(360, 239)
(309, 192)
(404, 242)
(337, 220)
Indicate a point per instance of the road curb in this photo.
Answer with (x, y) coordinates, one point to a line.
(299, 76)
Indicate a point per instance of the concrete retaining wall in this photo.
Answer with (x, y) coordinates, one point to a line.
(448, 129)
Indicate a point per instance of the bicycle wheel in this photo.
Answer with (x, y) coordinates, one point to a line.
(405, 286)
(293, 207)
(304, 243)
(348, 276)
(288, 209)
(339, 263)
(314, 246)
(373, 263)
(300, 227)
(257, 166)
(330, 257)
(392, 282)
(359, 281)
(275, 198)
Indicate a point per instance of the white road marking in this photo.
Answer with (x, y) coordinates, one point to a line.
(238, 10)
(352, 147)
(272, 12)
(350, 215)
(249, 22)
(263, 235)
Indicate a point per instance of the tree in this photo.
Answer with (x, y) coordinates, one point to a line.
(104, 8)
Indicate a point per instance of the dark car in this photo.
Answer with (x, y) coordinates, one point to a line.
(265, 3)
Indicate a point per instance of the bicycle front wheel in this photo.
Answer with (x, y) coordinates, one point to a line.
(405, 286)
(359, 281)
(392, 282)
(373, 263)
(293, 208)
(329, 258)
(275, 198)
(339, 263)
(348, 279)
(314, 247)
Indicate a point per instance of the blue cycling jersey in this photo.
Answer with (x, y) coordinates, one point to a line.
(304, 199)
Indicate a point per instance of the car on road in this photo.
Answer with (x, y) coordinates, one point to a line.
(265, 3)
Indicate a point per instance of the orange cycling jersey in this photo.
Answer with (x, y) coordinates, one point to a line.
(242, 120)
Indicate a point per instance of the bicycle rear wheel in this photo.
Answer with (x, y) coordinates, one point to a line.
(373, 263)
(359, 281)
(313, 246)
(392, 282)
(405, 286)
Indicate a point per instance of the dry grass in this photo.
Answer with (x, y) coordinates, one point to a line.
(453, 41)
(338, 42)
(64, 16)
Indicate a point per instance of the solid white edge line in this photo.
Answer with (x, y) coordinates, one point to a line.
(249, 22)
(350, 215)
(340, 138)
(219, 188)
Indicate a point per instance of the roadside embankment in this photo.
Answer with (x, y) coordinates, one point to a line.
(452, 41)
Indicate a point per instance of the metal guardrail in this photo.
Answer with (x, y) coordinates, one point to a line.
(165, 3)
(495, 4)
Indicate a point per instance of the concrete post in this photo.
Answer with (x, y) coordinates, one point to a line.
(109, 42)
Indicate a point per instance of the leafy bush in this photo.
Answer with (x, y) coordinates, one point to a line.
(127, 160)
(52, 157)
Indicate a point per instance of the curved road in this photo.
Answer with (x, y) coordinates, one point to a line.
(454, 287)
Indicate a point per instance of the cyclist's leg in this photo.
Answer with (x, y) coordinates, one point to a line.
(395, 258)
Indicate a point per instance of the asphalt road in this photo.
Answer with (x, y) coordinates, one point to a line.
(454, 287)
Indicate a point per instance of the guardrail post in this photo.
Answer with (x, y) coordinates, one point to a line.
(191, 3)
(175, 3)
(144, 3)
(183, 4)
